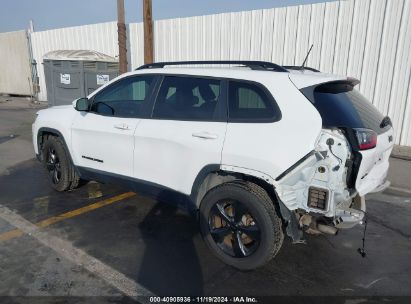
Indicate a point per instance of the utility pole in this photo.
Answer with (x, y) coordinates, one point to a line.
(122, 37)
(148, 32)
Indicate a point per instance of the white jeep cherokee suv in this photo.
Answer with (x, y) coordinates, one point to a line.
(256, 150)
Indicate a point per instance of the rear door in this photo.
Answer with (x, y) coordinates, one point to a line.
(103, 138)
(185, 133)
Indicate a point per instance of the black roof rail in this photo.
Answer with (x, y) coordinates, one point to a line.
(254, 65)
(296, 67)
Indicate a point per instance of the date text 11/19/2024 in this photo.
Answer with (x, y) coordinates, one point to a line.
(203, 300)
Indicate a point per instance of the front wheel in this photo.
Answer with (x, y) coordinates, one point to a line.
(61, 173)
(240, 225)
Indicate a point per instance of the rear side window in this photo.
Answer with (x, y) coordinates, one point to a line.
(248, 101)
(340, 105)
(186, 98)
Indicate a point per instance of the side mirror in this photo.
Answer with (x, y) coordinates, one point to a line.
(82, 104)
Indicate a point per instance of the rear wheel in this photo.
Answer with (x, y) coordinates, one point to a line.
(240, 225)
(61, 172)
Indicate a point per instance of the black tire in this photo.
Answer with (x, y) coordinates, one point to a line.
(76, 181)
(259, 207)
(61, 172)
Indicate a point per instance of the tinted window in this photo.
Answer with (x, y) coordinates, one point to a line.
(187, 98)
(343, 106)
(123, 98)
(369, 114)
(248, 101)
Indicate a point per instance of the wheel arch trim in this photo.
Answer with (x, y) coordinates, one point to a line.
(43, 130)
(226, 171)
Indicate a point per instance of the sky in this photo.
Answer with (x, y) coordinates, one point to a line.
(49, 14)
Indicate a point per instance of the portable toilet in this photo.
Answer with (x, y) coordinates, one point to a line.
(71, 74)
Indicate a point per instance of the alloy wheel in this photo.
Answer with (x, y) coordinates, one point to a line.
(53, 166)
(234, 229)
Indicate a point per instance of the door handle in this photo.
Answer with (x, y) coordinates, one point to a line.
(205, 135)
(122, 126)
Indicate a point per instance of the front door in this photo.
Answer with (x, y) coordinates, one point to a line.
(103, 138)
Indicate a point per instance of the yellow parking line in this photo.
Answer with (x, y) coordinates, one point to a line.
(10, 235)
(54, 219)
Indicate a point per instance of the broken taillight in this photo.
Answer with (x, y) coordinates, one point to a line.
(366, 138)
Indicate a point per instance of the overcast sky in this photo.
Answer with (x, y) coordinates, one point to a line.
(49, 14)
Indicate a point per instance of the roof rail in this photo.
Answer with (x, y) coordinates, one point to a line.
(254, 65)
(295, 67)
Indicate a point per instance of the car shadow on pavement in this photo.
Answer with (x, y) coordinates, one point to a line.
(151, 242)
(170, 265)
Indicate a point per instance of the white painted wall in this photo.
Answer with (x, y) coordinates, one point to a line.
(15, 73)
(366, 39)
(135, 38)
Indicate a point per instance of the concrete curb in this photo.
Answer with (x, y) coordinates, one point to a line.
(401, 152)
(403, 157)
(398, 191)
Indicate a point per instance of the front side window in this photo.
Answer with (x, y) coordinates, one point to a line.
(248, 101)
(124, 98)
(186, 98)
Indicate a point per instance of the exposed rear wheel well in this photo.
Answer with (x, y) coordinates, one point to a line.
(217, 178)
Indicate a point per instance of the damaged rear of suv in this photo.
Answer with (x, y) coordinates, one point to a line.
(326, 188)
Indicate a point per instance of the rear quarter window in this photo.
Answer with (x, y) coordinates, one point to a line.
(251, 102)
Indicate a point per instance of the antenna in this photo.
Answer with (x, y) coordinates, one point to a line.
(306, 57)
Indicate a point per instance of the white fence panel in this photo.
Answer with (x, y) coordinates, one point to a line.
(15, 73)
(372, 48)
(316, 34)
(136, 43)
(267, 35)
(329, 36)
(303, 34)
(400, 99)
(279, 35)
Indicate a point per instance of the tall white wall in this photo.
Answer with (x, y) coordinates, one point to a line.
(15, 73)
(136, 43)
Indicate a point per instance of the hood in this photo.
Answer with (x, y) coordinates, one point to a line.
(61, 107)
